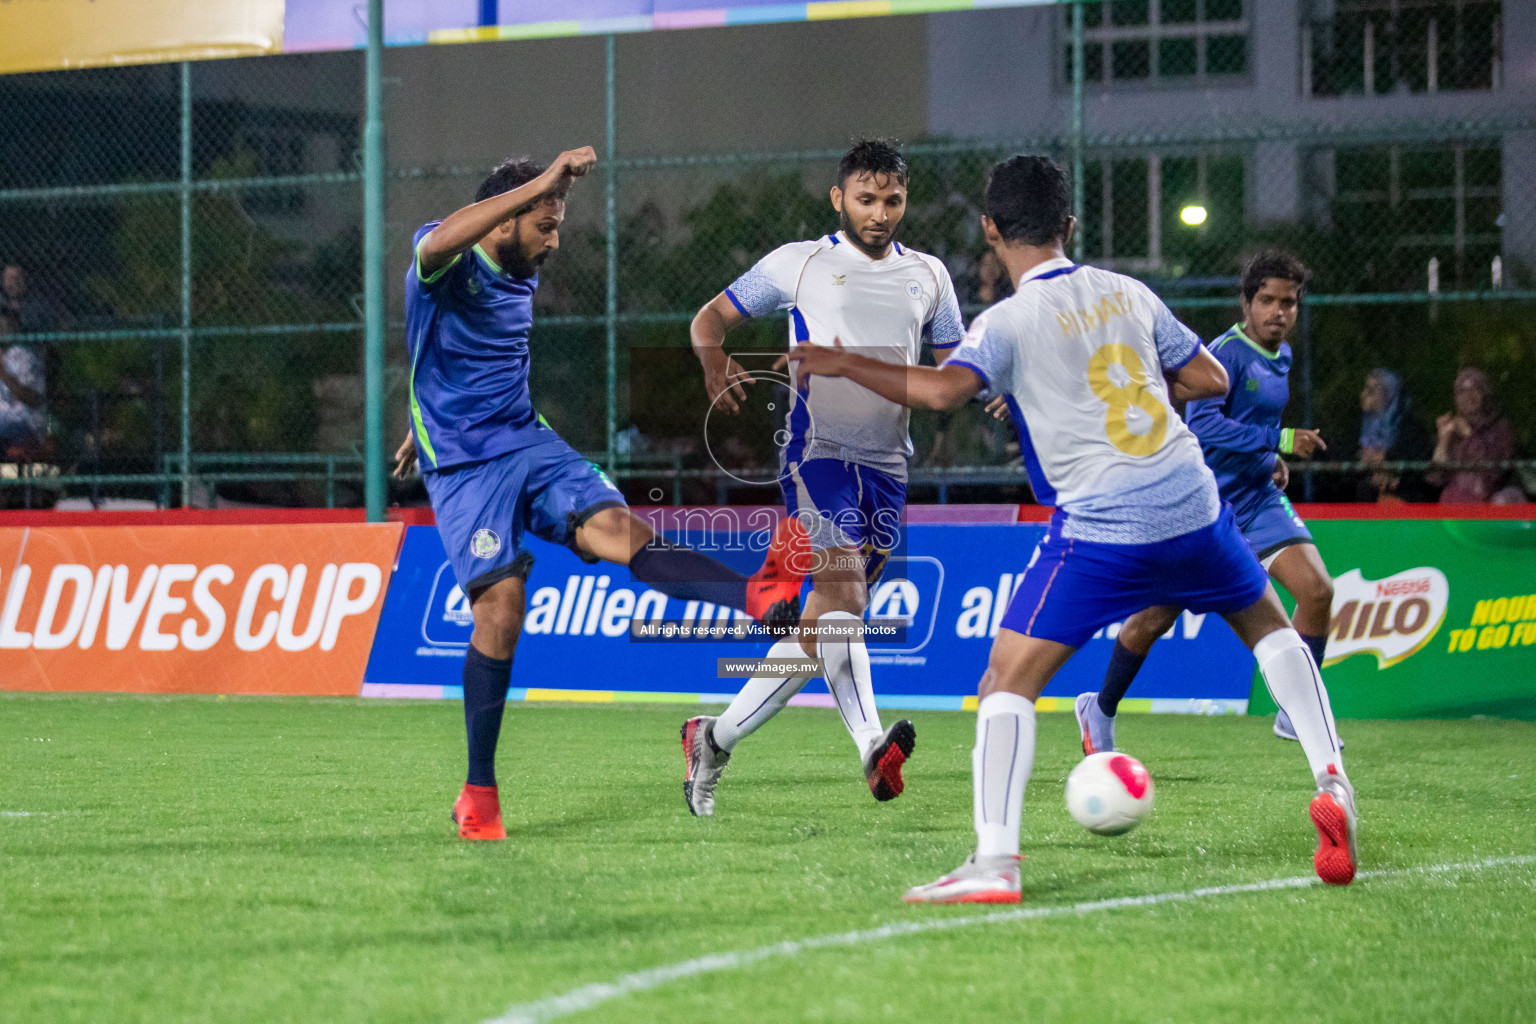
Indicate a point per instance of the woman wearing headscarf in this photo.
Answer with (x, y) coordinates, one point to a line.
(1388, 433)
(1475, 432)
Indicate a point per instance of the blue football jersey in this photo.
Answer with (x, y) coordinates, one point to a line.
(466, 331)
(1240, 433)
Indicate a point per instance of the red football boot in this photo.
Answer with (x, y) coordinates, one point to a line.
(478, 813)
(882, 768)
(1333, 813)
(773, 592)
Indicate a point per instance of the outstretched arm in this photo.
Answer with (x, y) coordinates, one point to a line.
(464, 227)
(917, 387)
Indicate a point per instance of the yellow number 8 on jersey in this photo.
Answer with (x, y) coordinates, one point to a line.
(1136, 421)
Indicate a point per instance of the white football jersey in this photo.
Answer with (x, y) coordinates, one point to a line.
(883, 308)
(1081, 353)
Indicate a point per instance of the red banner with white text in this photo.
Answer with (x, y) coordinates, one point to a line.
(209, 609)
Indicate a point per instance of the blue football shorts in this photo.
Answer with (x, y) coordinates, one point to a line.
(484, 508)
(1074, 588)
(1269, 523)
(846, 505)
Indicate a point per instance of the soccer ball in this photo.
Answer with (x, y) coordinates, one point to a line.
(1109, 793)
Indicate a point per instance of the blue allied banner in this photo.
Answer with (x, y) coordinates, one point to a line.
(951, 583)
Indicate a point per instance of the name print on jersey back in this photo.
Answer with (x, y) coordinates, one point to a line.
(1081, 353)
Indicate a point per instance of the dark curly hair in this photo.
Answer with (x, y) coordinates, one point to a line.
(874, 157)
(1273, 263)
(508, 176)
(1029, 200)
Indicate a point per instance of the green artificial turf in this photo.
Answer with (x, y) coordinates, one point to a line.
(202, 859)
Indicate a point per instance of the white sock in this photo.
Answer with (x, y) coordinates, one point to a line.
(847, 670)
(761, 699)
(1000, 766)
(1297, 686)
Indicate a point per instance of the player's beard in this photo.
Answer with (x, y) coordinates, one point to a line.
(872, 251)
(514, 260)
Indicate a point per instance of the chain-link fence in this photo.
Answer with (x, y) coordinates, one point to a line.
(187, 260)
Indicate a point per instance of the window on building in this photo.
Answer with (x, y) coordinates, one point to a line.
(1413, 204)
(1133, 215)
(1175, 41)
(1382, 47)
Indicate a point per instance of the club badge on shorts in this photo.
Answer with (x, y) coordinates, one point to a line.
(484, 543)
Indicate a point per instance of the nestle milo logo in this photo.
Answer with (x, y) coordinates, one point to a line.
(1392, 618)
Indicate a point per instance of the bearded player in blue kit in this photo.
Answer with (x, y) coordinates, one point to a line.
(1242, 440)
(496, 470)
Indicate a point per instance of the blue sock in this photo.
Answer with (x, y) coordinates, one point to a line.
(485, 697)
(688, 575)
(1319, 646)
(1124, 663)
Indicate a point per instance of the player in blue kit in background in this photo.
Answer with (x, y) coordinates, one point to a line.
(495, 469)
(1242, 440)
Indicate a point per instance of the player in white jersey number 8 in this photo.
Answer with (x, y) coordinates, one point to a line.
(1138, 522)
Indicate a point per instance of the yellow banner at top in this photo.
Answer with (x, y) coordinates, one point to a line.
(46, 35)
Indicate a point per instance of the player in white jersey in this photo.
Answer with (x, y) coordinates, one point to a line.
(1082, 356)
(843, 468)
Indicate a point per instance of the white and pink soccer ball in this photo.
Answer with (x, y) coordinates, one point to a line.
(1109, 793)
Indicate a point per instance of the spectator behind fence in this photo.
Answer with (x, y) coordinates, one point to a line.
(1475, 432)
(1389, 433)
(992, 281)
(22, 416)
(29, 313)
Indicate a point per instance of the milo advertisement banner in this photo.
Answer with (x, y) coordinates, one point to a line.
(1431, 619)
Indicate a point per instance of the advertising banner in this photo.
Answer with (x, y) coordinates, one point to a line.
(47, 35)
(203, 609)
(949, 584)
(332, 25)
(1431, 619)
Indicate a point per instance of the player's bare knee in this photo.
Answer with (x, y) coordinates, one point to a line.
(1141, 630)
(498, 615)
(1316, 591)
(614, 535)
(845, 596)
(499, 623)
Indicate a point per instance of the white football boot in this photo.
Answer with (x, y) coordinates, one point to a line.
(1097, 728)
(704, 763)
(978, 880)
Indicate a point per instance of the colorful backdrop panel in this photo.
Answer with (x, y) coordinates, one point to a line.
(950, 583)
(1430, 619)
(192, 609)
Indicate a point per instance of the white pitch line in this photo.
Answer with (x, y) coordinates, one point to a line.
(590, 996)
(23, 814)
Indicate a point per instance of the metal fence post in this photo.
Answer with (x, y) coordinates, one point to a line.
(611, 307)
(186, 284)
(373, 272)
(1078, 168)
(1306, 389)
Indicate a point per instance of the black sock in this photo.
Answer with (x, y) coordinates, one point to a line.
(688, 575)
(485, 697)
(1124, 663)
(1318, 644)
